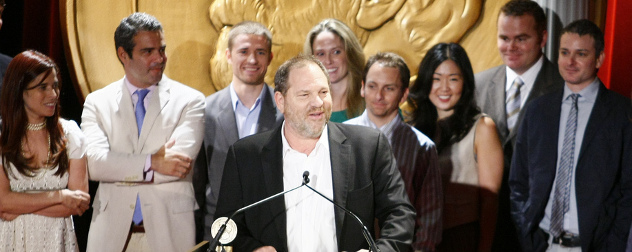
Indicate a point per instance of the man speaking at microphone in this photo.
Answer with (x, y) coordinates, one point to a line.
(353, 165)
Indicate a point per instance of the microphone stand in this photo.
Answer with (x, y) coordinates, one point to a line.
(365, 231)
(221, 230)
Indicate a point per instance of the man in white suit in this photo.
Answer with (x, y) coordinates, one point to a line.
(143, 131)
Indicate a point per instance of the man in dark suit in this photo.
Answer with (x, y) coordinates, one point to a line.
(243, 108)
(521, 36)
(571, 176)
(353, 165)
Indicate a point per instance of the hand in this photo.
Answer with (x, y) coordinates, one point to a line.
(265, 249)
(8, 216)
(169, 162)
(76, 200)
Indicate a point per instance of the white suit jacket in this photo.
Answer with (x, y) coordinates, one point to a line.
(116, 158)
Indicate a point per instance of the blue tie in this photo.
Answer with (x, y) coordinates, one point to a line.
(565, 172)
(140, 116)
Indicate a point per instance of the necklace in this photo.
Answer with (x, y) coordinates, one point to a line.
(39, 172)
(35, 126)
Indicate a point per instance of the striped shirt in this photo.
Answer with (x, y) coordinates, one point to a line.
(416, 157)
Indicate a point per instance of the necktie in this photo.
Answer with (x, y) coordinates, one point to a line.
(140, 116)
(565, 172)
(512, 104)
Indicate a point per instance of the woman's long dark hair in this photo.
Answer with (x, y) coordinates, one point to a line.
(22, 70)
(424, 116)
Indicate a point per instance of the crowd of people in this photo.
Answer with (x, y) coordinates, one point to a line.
(527, 156)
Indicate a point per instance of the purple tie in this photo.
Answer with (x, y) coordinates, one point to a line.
(140, 116)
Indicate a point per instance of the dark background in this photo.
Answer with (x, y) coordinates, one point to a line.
(35, 24)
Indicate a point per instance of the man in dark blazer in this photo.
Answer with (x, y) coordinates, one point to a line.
(356, 162)
(521, 36)
(596, 212)
(243, 108)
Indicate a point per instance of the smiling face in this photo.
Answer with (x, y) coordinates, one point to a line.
(307, 103)
(148, 60)
(447, 85)
(578, 61)
(249, 57)
(41, 97)
(519, 43)
(330, 50)
(383, 93)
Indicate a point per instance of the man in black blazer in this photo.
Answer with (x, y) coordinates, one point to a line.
(596, 214)
(243, 108)
(521, 36)
(354, 163)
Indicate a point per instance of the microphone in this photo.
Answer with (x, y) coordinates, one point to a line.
(367, 235)
(305, 177)
(231, 224)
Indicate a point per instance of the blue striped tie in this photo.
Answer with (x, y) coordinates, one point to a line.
(140, 116)
(512, 103)
(565, 172)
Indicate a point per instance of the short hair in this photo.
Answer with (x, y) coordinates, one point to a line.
(518, 8)
(355, 59)
(586, 27)
(23, 70)
(282, 75)
(389, 59)
(424, 116)
(130, 26)
(251, 28)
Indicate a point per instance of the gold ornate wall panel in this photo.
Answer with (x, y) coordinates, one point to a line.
(196, 31)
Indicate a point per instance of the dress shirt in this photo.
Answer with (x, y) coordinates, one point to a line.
(247, 118)
(528, 78)
(585, 104)
(311, 222)
(417, 161)
(149, 173)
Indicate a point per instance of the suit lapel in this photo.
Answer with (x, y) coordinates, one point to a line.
(272, 165)
(341, 168)
(156, 103)
(227, 120)
(125, 112)
(498, 97)
(268, 115)
(597, 116)
(551, 121)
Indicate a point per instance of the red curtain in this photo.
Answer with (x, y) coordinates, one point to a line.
(615, 71)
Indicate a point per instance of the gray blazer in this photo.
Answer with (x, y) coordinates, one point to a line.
(490, 97)
(220, 132)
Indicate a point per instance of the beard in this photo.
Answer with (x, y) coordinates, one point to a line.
(304, 126)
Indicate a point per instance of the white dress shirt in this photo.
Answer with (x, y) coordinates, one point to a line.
(311, 224)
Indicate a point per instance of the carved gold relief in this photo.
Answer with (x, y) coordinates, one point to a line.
(196, 31)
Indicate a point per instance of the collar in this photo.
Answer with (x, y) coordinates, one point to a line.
(323, 141)
(236, 101)
(588, 94)
(131, 88)
(528, 77)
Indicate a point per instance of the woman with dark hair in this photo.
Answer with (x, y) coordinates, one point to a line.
(44, 180)
(338, 48)
(470, 154)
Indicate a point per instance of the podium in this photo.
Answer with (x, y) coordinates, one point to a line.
(203, 246)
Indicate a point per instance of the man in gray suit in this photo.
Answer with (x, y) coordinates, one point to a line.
(502, 91)
(243, 108)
